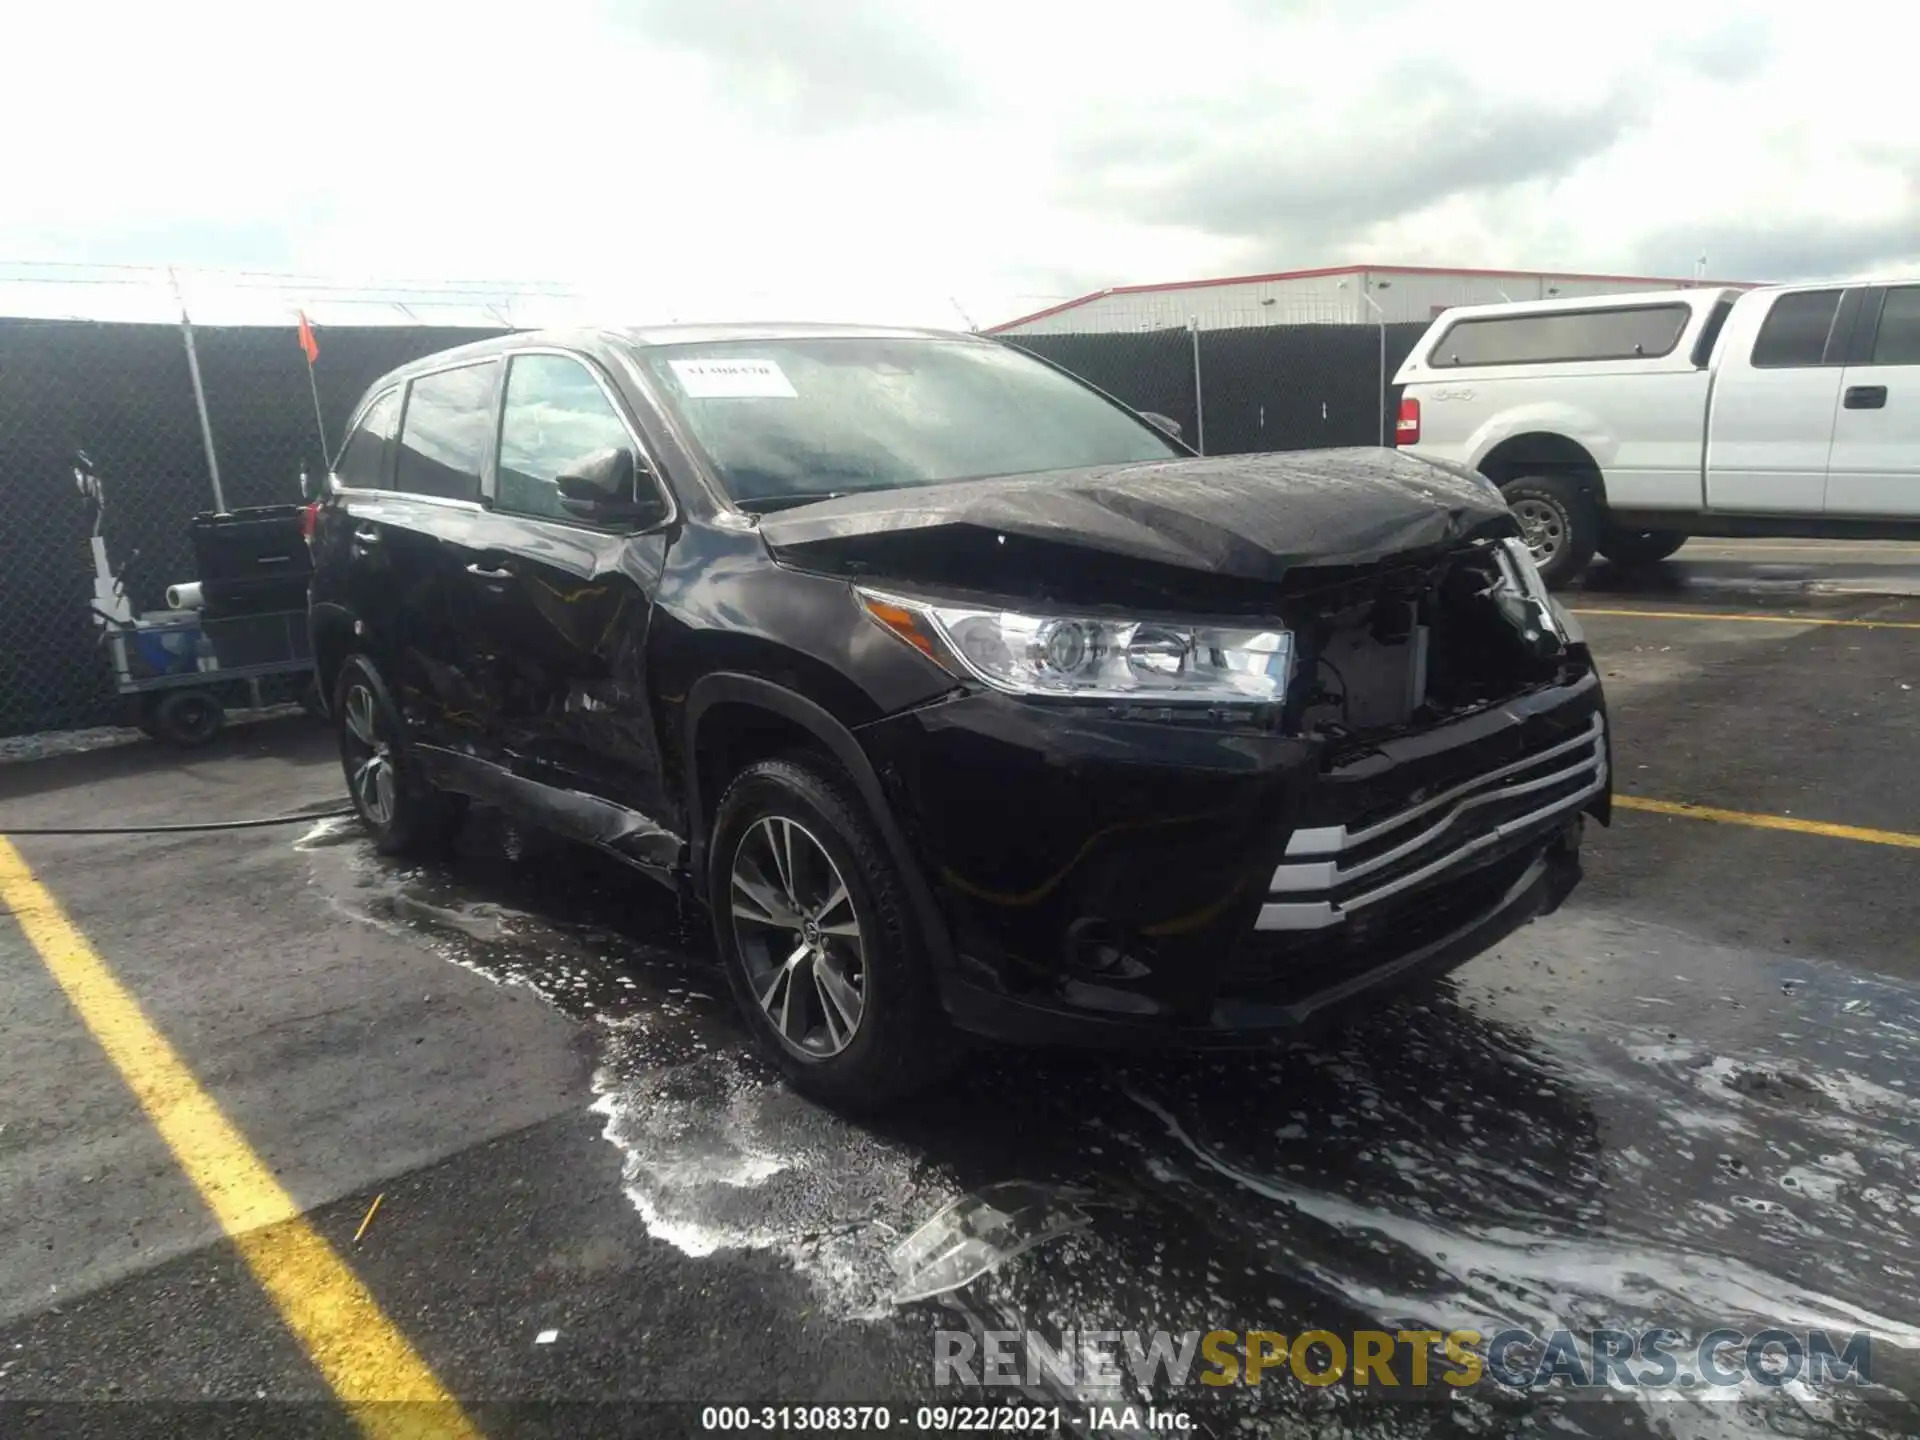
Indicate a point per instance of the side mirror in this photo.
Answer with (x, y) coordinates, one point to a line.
(1162, 422)
(603, 488)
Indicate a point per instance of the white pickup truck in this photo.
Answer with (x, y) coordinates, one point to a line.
(1624, 425)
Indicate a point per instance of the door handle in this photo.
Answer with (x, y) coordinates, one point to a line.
(481, 571)
(1865, 397)
(366, 537)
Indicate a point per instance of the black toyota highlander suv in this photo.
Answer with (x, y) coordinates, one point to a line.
(961, 696)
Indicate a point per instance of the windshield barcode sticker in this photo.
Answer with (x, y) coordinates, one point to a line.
(733, 379)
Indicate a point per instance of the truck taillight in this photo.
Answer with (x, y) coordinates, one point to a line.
(309, 516)
(1406, 430)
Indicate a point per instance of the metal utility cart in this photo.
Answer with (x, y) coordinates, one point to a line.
(181, 667)
(182, 674)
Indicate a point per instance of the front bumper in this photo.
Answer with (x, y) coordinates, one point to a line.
(1108, 879)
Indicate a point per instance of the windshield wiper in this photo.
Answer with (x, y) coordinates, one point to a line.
(761, 504)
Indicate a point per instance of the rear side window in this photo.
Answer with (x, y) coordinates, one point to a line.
(363, 459)
(556, 415)
(443, 437)
(1898, 342)
(1796, 329)
(1639, 333)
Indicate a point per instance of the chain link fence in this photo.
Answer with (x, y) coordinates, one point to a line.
(123, 393)
(1261, 387)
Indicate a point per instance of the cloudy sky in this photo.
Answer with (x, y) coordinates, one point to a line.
(894, 159)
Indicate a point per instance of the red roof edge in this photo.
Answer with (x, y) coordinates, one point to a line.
(1657, 280)
(1050, 310)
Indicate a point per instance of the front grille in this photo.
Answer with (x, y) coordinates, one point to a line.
(1332, 872)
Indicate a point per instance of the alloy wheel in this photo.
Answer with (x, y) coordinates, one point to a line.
(369, 756)
(1544, 525)
(799, 937)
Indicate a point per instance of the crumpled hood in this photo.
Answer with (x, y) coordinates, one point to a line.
(1251, 517)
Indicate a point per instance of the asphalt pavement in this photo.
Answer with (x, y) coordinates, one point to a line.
(1686, 1100)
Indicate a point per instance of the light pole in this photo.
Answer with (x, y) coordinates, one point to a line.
(1381, 323)
(1199, 404)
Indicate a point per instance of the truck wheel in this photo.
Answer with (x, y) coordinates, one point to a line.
(404, 814)
(187, 717)
(1640, 547)
(1560, 522)
(818, 938)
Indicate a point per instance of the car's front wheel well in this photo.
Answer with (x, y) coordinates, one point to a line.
(734, 720)
(733, 735)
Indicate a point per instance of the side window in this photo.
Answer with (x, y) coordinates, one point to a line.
(1795, 330)
(443, 437)
(362, 463)
(1636, 333)
(1898, 342)
(556, 415)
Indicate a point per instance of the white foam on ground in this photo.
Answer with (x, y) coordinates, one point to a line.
(718, 1153)
(327, 831)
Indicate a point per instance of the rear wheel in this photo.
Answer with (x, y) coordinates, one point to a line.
(819, 939)
(399, 808)
(1640, 547)
(1559, 520)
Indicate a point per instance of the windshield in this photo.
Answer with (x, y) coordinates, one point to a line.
(782, 421)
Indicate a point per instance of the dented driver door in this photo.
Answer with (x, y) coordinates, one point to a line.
(561, 608)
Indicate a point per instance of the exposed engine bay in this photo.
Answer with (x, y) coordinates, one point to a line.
(1415, 645)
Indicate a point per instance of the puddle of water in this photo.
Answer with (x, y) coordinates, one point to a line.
(1602, 1124)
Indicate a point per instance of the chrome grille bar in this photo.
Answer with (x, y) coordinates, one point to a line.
(1295, 877)
(1332, 839)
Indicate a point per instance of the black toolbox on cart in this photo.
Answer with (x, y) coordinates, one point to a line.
(251, 561)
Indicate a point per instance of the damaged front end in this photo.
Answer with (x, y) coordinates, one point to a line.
(1136, 862)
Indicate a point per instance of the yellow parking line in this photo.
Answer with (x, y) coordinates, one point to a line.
(359, 1352)
(1757, 619)
(1769, 822)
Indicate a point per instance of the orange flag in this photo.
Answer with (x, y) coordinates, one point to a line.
(308, 344)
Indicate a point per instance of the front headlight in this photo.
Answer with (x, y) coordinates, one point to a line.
(1522, 579)
(1089, 657)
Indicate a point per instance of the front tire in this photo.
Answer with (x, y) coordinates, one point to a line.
(403, 813)
(1640, 547)
(819, 939)
(1560, 522)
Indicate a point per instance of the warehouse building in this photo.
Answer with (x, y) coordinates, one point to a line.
(1338, 295)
